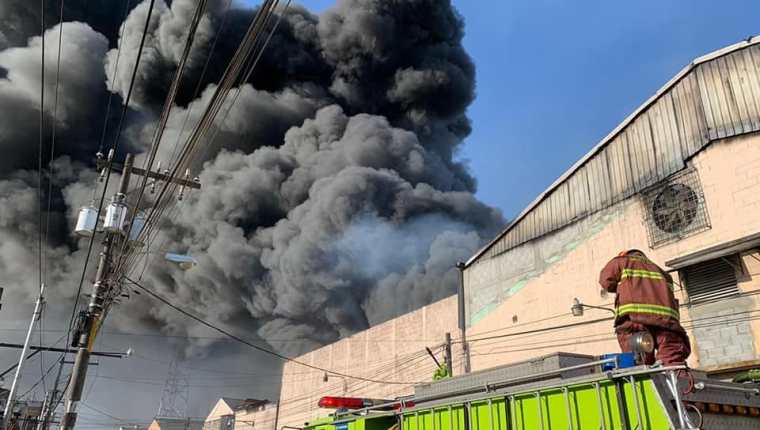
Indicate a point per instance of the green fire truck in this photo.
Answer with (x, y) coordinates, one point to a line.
(558, 391)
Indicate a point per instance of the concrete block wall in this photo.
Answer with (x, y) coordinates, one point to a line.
(724, 339)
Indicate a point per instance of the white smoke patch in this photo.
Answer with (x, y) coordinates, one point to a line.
(19, 230)
(81, 55)
(409, 265)
(423, 283)
(79, 90)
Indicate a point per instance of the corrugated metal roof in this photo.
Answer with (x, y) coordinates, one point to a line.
(715, 96)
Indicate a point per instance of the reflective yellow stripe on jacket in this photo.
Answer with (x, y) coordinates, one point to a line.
(638, 273)
(641, 308)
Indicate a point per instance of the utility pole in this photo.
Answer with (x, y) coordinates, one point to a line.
(95, 309)
(462, 318)
(51, 400)
(92, 318)
(277, 415)
(10, 403)
(447, 354)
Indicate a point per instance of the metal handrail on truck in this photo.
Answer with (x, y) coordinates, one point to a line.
(488, 390)
(517, 397)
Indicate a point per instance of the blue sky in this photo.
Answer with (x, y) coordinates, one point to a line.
(555, 76)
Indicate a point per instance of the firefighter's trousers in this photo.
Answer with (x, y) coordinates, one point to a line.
(672, 347)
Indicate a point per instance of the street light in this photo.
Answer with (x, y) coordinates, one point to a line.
(640, 343)
(577, 308)
(185, 262)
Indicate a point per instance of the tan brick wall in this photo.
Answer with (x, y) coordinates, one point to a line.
(730, 174)
(393, 351)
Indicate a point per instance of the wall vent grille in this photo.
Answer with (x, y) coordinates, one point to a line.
(675, 208)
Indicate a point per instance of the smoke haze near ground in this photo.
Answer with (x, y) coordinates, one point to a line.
(332, 190)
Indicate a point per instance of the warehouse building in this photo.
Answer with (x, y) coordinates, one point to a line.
(679, 179)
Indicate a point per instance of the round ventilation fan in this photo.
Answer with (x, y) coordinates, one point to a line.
(675, 208)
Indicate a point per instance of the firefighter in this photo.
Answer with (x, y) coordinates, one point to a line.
(644, 301)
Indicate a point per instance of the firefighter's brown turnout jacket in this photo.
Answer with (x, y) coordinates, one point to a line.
(644, 292)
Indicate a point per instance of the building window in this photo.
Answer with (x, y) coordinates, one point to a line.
(712, 280)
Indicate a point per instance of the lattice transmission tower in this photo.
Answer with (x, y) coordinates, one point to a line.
(176, 393)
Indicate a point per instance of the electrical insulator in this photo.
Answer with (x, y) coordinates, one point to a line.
(138, 224)
(182, 187)
(153, 184)
(86, 221)
(116, 215)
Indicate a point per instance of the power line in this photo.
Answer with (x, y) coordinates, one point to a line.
(538, 330)
(40, 146)
(572, 325)
(268, 340)
(247, 76)
(92, 408)
(564, 314)
(536, 321)
(42, 355)
(32, 354)
(198, 85)
(308, 372)
(244, 53)
(690, 324)
(44, 255)
(196, 92)
(600, 338)
(164, 118)
(406, 364)
(109, 165)
(113, 80)
(54, 129)
(252, 345)
(47, 372)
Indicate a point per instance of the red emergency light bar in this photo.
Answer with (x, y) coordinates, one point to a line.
(331, 402)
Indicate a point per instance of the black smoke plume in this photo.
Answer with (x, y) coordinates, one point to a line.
(332, 198)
